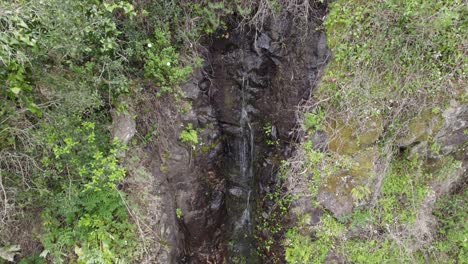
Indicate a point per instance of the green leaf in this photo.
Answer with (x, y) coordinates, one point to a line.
(15, 90)
(32, 107)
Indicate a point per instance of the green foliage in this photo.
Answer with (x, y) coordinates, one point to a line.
(360, 193)
(314, 119)
(403, 190)
(162, 64)
(393, 61)
(374, 251)
(210, 15)
(303, 249)
(270, 223)
(34, 259)
(61, 63)
(85, 213)
(189, 135)
(451, 245)
(179, 213)
(393, 58)
(267, 129)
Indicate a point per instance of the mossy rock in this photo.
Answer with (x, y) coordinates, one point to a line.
(335, 193)
(421, 128)
(350, 137)
(364, 163)
(373, 128)
(342, 139)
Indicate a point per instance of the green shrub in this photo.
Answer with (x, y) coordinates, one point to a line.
(271, 224)
(451, 245)
(189, 135)
(162, 64)
(84, 217)
(313, 120)
(303, 249)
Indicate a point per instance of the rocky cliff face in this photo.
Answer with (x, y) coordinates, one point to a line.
(243, 105)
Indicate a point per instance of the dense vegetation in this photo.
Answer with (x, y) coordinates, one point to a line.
(63, 67)
(397, 66)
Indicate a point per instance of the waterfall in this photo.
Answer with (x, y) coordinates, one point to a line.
(242, 246)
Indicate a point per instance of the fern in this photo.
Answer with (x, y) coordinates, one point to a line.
(85, 214)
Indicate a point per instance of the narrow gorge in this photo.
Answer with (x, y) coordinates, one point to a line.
(244, 102)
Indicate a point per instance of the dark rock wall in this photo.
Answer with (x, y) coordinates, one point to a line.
(278, 67)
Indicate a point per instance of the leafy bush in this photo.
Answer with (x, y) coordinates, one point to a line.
(57, 59)
(162, 64)
(300, 249)
(189, 135)
(303, 249)
(85, 213)
(313, 120)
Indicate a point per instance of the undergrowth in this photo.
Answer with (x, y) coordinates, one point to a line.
(63, 67)
(397, 65)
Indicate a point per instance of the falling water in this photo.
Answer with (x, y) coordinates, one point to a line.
(241, 246)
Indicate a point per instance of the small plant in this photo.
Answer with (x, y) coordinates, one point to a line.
(151, 134)
(314, 119)
(360, 193)
(178, 213)
(189, 135)
(436, 110)
(435, 148)
(270, 223)
(270, 133)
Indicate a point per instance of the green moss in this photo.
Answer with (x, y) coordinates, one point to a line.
(421, 128)
(363, 163)
(342, 138)
(349, 137)
(303, 249)
(371, 131)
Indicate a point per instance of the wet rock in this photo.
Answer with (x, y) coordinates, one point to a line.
(261, 77)
(274, 133)
(204, 84)
(191, 87)
(217, 201)
(236, 191)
